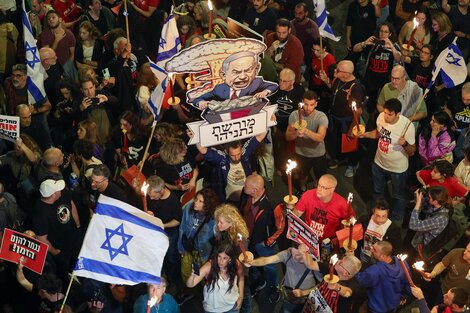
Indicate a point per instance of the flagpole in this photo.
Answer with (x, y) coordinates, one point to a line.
(144, 158)
(421, 101)
(126, 14)
(67, 293)
(321, 50)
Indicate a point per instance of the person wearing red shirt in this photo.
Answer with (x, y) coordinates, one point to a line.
(442, 174)
(323, 207)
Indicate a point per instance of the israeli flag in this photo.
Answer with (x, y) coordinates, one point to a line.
(322, 20)
(123, 245)
(170, 45)
(451, 64)
(35, 70)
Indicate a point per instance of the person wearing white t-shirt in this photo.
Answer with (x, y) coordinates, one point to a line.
(396, 143)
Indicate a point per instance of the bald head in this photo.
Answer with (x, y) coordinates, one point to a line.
(24, 112)
(398, 70)
(48, 57)
(53, 157)
(254, 186)
(385, 247)
(345, 70)
(398, 77)
(330, 179)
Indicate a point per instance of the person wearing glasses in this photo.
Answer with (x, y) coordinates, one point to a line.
(101, 184)
(323, 208)
(346, 295)
(407, 92)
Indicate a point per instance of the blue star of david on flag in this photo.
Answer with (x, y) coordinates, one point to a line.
(33, 51)
(107, 245)
(162, 42)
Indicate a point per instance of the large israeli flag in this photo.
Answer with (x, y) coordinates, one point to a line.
(36, 72)
(322, 20)
(123, 245)
(170, 44)
(451, 64)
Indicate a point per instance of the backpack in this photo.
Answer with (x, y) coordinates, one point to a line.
(431, 252)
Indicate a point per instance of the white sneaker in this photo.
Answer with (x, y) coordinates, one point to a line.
(350, 171)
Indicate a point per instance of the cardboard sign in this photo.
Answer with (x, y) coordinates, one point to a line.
(226, 88)
(343, 234)
(9, 127)
(299, 232)
(16, 245)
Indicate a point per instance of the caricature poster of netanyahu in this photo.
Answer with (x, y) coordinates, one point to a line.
(231, 96)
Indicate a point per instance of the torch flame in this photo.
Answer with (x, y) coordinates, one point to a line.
(415, 23)
(301, 104)
(334, 259)
(350, 197)
(152, 301)
(209, 4)
(353, 106)
(170, 75)
(419, 265)
(240, 237)
(352, 221)
(290, 166)
(402, 256)
(144, 188)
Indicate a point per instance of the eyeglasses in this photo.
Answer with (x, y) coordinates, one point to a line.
(324, 187)
(97, 182)
(341, 71)
(18, 75)
(397, 78)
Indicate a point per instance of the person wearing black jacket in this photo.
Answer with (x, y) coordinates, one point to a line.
(378, 227)
(265, 224)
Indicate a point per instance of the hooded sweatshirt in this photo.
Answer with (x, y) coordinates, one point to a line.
(385, 284)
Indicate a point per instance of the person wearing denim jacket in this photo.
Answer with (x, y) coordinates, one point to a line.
(198, 213)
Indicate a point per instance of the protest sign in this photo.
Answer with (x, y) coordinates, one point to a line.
(316, 303)
(16, 245)
(299, 232)
(9, 127)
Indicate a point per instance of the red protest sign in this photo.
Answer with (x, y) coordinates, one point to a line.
(16, 245)
(343, 234)
(299, 232)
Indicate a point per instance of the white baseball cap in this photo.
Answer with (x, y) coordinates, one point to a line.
(49, 186)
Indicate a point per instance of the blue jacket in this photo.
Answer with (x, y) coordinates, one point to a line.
(221, 162)
(204, 236)
(385, 284)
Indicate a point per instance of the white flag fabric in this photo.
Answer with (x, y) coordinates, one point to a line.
(170, 44)
(123, 245)
(35, 70)
(322, 20)
(451, 64)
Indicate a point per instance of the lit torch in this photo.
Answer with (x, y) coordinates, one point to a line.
(415, 27)
(290, 166)
(144, 189)
(402, 258)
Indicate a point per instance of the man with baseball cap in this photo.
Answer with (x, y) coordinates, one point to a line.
(56, 223)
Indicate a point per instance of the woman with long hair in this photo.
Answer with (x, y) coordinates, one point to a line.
(422, 35)
(229, 223)
(442, 34)
(129, 144)
(224, 281)
(201, 17)
(176, 166)
(436, 141)
(89, 48)
(87, 130)
(382, 51)
(197, 230)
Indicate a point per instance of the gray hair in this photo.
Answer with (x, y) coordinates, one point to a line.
(118, 41)
(19, 67)
(156, 183)
(239, 55)
(466, 87)
(102, 170)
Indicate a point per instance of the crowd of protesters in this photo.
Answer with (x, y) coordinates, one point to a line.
(89, 135)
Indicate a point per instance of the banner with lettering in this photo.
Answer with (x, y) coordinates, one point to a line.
(299, 232)
(223, 83)
(16, 245)
(9, 127)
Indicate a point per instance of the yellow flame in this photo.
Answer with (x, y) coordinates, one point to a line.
(415, 23)
(144, 188)
(209, 4)
(402, 256)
